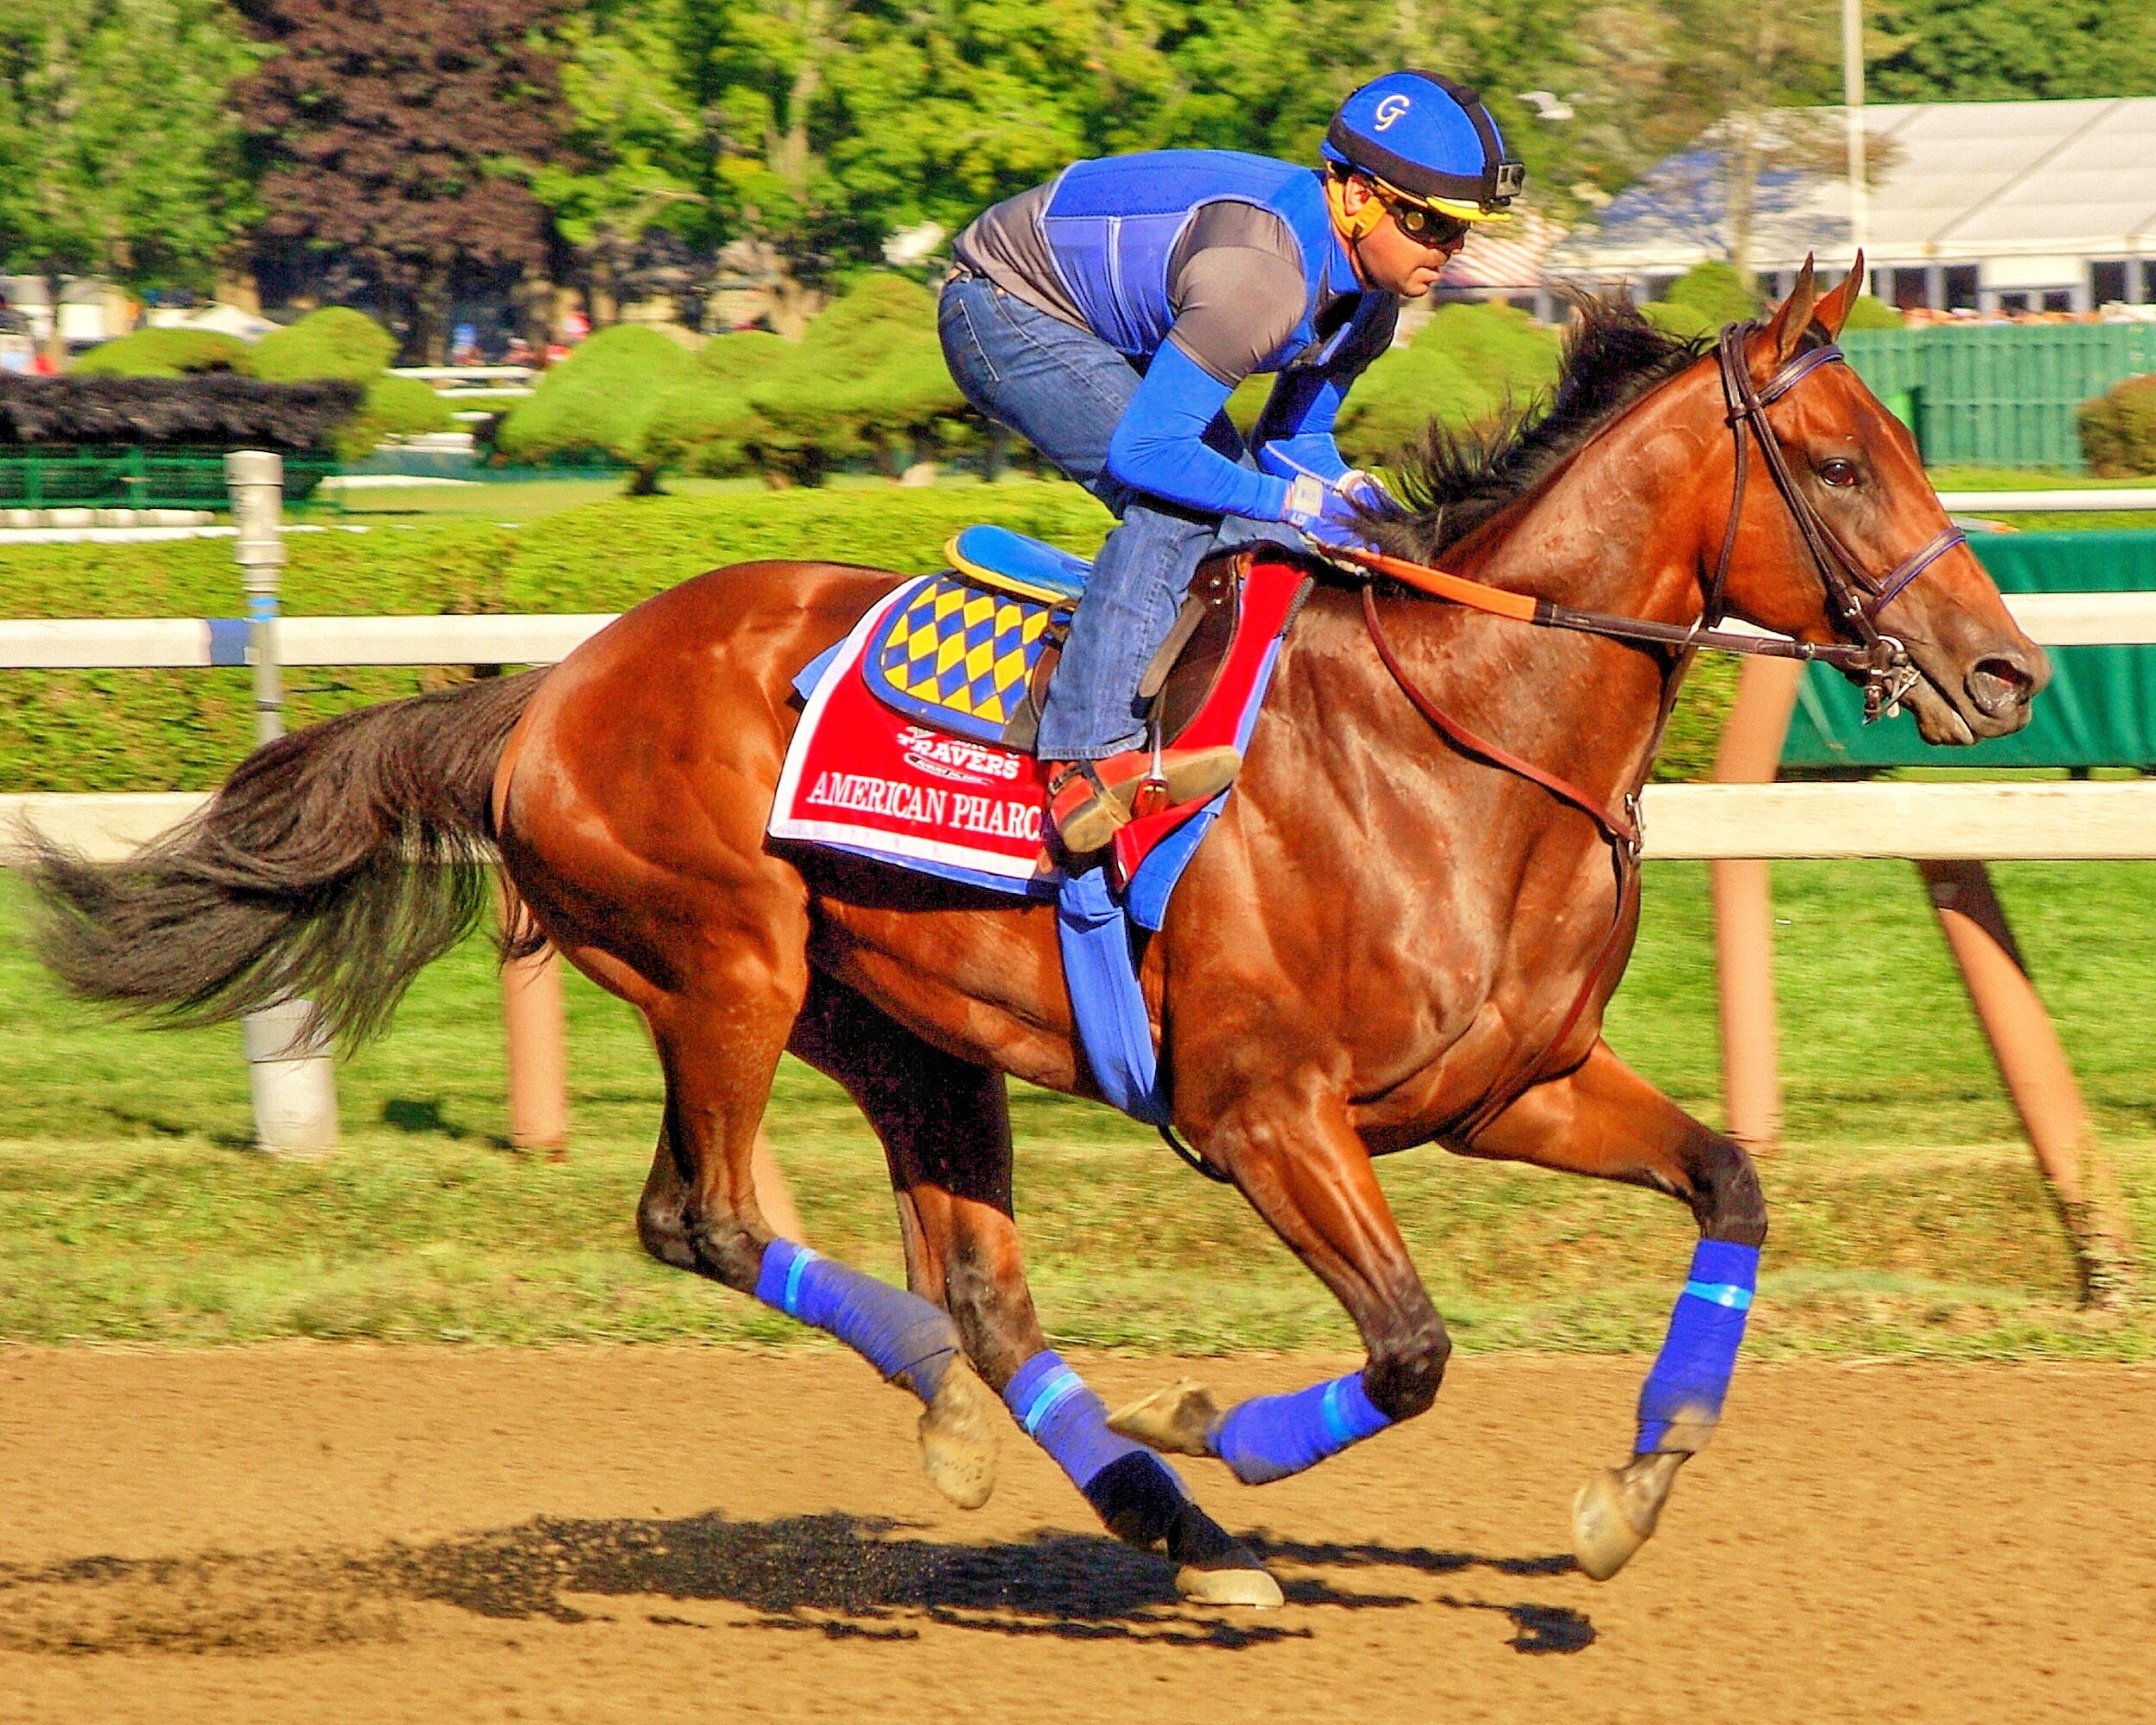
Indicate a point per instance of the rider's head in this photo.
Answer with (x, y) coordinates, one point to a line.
(1413, 159)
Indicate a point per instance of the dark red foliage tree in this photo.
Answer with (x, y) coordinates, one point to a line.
(399, 134)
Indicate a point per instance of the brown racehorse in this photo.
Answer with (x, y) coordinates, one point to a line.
(1381, 940)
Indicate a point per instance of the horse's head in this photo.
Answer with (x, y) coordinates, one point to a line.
(1856, 544)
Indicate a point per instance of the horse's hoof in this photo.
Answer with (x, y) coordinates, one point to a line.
(958, 1437)
(1253, 1586)
(1175, 1421)
(1615, 1512)
(1602, 1540)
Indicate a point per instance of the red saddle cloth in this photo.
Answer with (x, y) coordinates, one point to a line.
(863, 779)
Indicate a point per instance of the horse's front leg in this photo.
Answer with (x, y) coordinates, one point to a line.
(1300, 1163)
(1605, 1120)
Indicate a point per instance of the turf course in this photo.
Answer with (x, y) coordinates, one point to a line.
(1907, 1216)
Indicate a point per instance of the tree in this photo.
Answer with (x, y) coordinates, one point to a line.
(2012, 50)
(635, 160)
(120, 154)
(403, 133)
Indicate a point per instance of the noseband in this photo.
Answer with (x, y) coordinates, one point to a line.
(1856, 599)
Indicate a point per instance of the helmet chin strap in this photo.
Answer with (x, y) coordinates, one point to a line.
(1361, 224)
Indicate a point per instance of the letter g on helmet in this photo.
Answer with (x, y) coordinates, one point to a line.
(1430, 137)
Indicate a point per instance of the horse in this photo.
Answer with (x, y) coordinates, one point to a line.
(1390, 937)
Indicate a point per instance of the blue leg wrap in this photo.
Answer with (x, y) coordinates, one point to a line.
(1132, 1489)
(896, 1331)
(1271, 1437)
(1692, 1373)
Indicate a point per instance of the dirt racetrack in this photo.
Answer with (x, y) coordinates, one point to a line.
(357, 1534)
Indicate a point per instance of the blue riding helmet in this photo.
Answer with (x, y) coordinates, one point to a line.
(1425, 136)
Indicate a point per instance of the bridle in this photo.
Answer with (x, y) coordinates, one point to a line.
(1855, 599)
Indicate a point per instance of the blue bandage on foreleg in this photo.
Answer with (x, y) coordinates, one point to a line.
(1271, 1437)
(1132, 1489)
(1692, 1374)
(896, 1331)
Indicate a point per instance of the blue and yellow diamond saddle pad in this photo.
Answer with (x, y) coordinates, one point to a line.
(959, 654)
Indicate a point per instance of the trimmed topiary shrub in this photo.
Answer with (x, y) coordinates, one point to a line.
(163, 353)
(703, 424)
(1871, 313)
(394, 408)
(334, 342)
(1467, 365)
(2118, 429)
(1716, 291)
(1687, 323)
(870, 379)
(602, 398)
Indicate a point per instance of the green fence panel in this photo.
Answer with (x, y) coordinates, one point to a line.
(2001, 394)
(2100, 709)
(135, 477)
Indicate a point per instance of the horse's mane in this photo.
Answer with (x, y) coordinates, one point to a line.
(1453, 481)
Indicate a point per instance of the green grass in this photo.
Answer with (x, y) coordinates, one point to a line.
(1908, 1217)
(2042, 479)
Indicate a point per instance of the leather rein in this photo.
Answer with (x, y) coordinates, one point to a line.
(1856, 599)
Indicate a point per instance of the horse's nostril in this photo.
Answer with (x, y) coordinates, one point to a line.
(2000, 686)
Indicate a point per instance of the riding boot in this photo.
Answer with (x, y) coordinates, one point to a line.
(1088, 800)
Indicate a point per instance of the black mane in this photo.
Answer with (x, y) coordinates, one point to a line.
(1453, 481)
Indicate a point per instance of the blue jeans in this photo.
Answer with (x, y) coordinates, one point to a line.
(1062, 389)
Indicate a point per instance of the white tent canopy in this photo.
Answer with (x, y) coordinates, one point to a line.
(1968, 201)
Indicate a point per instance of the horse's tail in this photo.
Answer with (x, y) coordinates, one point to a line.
(334, 865)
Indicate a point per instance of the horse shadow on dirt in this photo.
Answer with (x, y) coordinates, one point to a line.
(837, 1575)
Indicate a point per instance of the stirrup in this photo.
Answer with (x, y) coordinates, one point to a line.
(1075, 830)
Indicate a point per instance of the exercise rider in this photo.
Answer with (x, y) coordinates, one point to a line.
(1106, 316)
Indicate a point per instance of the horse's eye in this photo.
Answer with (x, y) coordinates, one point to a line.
(1838, 472)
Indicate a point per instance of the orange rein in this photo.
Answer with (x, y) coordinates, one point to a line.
(1435, 582)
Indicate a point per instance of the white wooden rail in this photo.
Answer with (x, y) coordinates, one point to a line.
(2126, 619)
(2013, 822)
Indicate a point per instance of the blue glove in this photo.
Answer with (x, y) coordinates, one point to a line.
(1325, 515)
(1327, 511)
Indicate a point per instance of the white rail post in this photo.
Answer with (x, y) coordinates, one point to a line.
(291, 1074)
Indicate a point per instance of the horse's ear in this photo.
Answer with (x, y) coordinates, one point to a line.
(1786, 329)
(1832, 312)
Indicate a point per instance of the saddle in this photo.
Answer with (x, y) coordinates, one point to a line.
(973, 652)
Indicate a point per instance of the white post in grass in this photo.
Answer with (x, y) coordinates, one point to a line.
(293, 1079)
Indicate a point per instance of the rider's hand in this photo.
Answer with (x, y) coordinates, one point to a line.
(1368, 493)
(1325, 515)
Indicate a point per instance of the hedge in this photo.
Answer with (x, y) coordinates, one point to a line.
(2118, 430)
(332, 344)
(1465, 367)
(215, 411)
(1710, 294)
(184, 731)
(600, 398)
(868, 378)
(163, 353)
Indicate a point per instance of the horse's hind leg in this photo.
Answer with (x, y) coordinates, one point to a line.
(946, 1128)
(1605, 1120)
(699, 1208)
